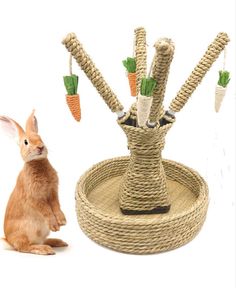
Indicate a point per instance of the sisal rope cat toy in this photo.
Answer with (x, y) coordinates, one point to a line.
(143, 182)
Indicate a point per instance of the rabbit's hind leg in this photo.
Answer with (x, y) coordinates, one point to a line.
(20, 242)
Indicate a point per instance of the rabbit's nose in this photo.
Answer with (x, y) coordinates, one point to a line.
(40, 148)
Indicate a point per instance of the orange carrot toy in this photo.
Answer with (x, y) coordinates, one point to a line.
(130, 65)
(72, 98)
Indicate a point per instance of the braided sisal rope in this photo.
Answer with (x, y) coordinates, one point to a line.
(75, 48)
(143, 186)
(199, 72)
(140, 56)
(100, 218)
(133, 111)
(163, 57)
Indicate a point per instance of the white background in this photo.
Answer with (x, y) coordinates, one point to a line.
(32, 63)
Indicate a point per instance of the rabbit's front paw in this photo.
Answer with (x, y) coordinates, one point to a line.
(61, 219)
(53, 224)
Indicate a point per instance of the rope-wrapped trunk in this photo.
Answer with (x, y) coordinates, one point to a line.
(162, 60)
(143, 188)
(199, 72)
(82, 58)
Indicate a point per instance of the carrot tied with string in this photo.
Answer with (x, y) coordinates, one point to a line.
(72, 97)
(130, 65)
(224, 78)
(144, 102)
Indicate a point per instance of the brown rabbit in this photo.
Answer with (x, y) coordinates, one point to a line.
(33, 208)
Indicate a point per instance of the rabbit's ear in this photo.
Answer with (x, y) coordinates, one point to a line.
(32, 123)
(11, 128)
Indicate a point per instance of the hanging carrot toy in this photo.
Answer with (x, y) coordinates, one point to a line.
(72, 97)
(144, 102)
(221, 87)
(130, 65)
(224, 78)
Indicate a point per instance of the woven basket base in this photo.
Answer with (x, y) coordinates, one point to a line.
(100, 217)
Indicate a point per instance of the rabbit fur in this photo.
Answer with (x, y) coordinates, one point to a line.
(33, 209)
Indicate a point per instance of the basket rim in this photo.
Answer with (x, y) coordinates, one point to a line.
(201, 200)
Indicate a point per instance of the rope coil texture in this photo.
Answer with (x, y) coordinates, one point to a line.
(140, 56)
(82, 58)
(162, 60)
(133, 111)
(212, 53)
(143, 186)
(100, 218)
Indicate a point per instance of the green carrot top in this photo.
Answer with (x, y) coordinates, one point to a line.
(147, 86)
(130, 64)
(223, 78)
(71, 84)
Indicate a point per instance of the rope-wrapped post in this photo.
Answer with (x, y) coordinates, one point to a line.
(162, 60)
(143, 187)
(212, 53)
(82, 58)
(140, 56)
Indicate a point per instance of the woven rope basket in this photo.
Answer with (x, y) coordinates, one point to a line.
(143, 204)
(97, 206)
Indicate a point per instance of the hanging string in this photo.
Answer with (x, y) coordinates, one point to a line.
(70, 64)
(134, 47)
(151, 67)
(224, 59)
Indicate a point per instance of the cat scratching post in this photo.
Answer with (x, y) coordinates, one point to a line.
(142, 203)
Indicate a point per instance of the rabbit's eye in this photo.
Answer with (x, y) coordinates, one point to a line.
(26, 142)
